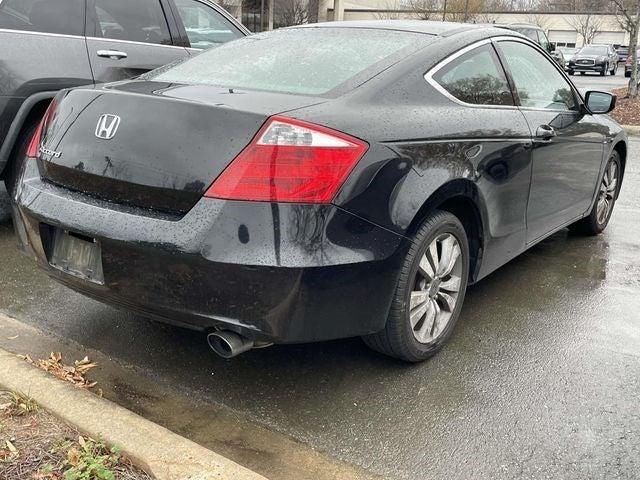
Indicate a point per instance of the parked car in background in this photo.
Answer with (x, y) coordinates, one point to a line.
(623, 53)
(558, 56)
(567, 53)
(594, 58)
(313, 183)
(49, 45)
(629, 63)
(532, 32)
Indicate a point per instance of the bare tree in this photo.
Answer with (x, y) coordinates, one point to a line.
(628, 14)
(587, 26)
(390, 13)
(541, 21)
(291, 12)
(423, 9)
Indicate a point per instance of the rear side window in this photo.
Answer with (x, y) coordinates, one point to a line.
(136, 21)
(60, 16)
(309, 61)
(205, 26)
(476, 77)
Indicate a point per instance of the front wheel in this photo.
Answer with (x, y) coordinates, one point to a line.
(570, 72)
(598, 218)
(430, 291)
(603, 72)
(614, 69)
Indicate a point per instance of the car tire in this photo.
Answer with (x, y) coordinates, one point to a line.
(581, 73)
(614, 69)
(603, 72)
(415, 340)
(627, 74)
(597, 220)
(570, 72)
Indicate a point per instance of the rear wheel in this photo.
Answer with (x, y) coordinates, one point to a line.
(598, 218)
(429, 293)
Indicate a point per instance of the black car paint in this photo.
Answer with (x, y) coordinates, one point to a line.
(295, 273)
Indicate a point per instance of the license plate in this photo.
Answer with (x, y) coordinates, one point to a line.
(76, 255)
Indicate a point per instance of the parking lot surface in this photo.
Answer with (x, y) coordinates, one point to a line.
(541, 378)
(591, 81)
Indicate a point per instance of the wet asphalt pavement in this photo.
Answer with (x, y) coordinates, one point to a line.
(541, 379)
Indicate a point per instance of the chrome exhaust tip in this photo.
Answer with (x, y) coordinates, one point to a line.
(229, 344)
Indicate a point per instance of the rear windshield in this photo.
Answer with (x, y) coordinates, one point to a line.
(308, 61)
(594, 50)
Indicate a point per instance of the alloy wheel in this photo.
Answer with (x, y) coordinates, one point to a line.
(607, 193)
(436, 288)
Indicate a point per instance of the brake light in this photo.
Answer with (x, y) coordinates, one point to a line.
(290, 161)
(34, 144)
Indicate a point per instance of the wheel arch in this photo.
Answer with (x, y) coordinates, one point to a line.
(621, 148)
(461, 198)
(31, 108)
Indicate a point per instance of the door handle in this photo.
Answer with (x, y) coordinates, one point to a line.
(545, 132)
(112, 54)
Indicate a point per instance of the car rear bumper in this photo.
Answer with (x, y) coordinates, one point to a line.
(273, 272)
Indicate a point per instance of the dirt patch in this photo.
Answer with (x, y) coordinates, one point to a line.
(34, 445)
(627, 111)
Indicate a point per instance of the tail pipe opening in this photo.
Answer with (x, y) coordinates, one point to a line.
(229, 344)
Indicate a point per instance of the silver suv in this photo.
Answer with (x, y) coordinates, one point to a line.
(47, 45)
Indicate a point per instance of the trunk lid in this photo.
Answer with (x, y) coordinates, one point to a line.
(160, 145)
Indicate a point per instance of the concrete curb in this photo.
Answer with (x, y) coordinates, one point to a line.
(632, 129)
(162, 453)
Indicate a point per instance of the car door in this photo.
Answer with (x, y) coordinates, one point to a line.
(204, 26)
(128, 38)
(568, 144)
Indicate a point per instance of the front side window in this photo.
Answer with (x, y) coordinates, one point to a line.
(538, 83)
(476, 77)
(544, 41)
(205, 27)
(137, 21)
(46, 16)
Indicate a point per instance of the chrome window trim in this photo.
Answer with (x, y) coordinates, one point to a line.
(40, 34)
(438, 66)
(132, 42)
(431, 72)
(63, 35)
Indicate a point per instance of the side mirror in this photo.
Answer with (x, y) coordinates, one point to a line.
(599, 102)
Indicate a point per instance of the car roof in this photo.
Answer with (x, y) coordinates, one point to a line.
(442, 29)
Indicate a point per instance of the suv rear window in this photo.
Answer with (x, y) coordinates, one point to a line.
(46, 16)
(308, 61)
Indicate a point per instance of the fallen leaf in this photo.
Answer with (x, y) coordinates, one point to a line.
(13, 338)
(10, 446)
(73, 456)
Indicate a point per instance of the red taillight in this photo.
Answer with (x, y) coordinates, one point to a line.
(36, 139)
(290, 161)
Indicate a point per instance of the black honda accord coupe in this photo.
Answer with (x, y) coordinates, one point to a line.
(317, 182)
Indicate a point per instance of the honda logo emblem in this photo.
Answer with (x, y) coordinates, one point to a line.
(107, 126)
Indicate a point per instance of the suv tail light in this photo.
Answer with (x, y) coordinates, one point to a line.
(36, 138)
(290, 161)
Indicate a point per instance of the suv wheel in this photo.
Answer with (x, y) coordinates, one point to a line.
(598, 218)
(430, 291)
(614, 69)
(603, 72)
